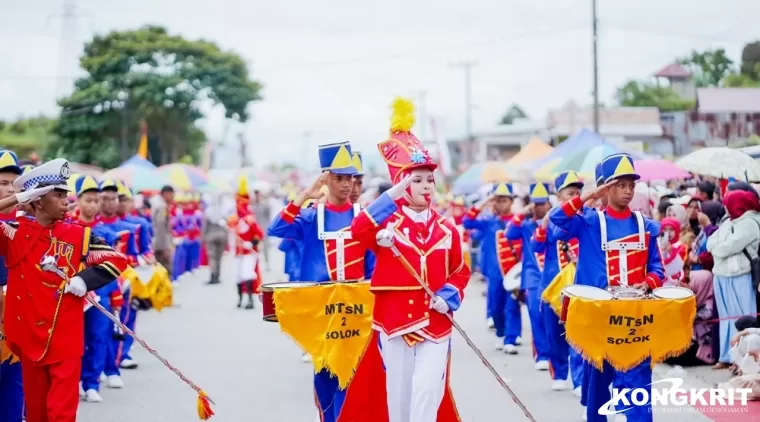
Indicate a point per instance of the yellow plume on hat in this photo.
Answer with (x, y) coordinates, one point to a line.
(402, 119)
(242, 186)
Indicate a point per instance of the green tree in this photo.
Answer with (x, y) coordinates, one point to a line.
(751, 60)
(644, 94)
(513, 112)
(709, 67)
(148, 74)
(740, 80)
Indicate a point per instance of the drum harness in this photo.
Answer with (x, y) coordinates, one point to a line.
(622, 247)
(339, 237)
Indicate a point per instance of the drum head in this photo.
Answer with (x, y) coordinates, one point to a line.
(672, 293)
(511, 280)
(587, 292)
(287, 285)
(625, 293)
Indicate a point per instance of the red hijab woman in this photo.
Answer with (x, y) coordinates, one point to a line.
(673, 251)
(409, 326)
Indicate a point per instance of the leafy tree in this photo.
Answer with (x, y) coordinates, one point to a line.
(709, 67)
(644, 94)
(751, 60)
(740, 80)
(513, 112)
(152, 75)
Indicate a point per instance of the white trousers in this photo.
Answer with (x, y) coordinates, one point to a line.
(415, 378)
(246, 266)
(742, 358)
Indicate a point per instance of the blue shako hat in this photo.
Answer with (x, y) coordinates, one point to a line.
(567, 178)
(85, 184)
(356, 160)
(598, 176)
(9, 162)
(503, 189)
(539, 193)
(618, 165)
(336, 158)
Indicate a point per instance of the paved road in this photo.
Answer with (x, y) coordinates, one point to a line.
(254, 373)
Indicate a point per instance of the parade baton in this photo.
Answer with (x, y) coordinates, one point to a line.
(385, 239)
(204, 401)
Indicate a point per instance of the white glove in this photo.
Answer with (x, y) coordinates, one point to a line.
(177, 241)
(76, 287)
(247, 245)
(439, 305)
(32, 194)
(397, 190)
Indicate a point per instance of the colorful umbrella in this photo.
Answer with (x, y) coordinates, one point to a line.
(137, 178)
(479, 174)
(659, 170)
(583, 161)
(184, 177)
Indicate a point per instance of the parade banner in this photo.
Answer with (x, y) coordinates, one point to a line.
(626, 332)
(553, 292)
(331, 322)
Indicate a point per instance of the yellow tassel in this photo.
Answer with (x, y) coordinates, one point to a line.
(205, 412)
(243, 186)
(402, 119)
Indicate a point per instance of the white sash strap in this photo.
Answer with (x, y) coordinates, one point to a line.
(622, 247)
(340, 240)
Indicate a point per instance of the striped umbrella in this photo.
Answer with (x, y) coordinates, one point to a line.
(184, 177)
(582, 162)
(138, 178)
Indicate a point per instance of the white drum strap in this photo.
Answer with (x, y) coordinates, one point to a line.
(340, 241)
(622, 247)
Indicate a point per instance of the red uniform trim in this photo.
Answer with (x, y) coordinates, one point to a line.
(290, 212)
(473, 212)
(518, 219)
(540, 234)
(571, 207)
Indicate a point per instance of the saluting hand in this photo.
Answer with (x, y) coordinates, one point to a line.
(397, 191)
(314, 192)
(32, 194)
(599, 192)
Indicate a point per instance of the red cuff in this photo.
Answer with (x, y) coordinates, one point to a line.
(290, 212)
(473, 212)
(540, 234)
(653, 281)
(132, 261)
(518, 219)
(571, 207)
(117, 300)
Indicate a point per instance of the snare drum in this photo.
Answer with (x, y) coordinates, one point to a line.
(585, 292)
(672, 293)
(267, 297)
(627, 293)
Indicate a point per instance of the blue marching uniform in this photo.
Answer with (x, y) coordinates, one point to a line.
(179, 231)
(559, 250)
(329, 255)
(293, 250)
(532, 265)
(602, 235)
(497, 256)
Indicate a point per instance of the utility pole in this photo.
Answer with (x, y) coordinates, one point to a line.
(66, 46)
(467, 66)
(595, 40)
(244, 162)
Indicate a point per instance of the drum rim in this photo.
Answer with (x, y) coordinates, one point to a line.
(672, 288)
(584, 287)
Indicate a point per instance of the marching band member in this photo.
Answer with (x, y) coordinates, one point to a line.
(520, 228)
(44, 328)
(356, 188)
(410, 329)
(128, 213)
(499, 255)
(560, 250)
(292, 249)
(98, 329)
(458, 209)
(179, 232)
(193, 221)
(604, 237)
(11, 389)
(248, 235)
(330, 254)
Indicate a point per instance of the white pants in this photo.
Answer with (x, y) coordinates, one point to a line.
(742, 358)
(246, 267)
(415, 378)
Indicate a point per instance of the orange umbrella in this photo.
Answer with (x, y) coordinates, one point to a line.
(534, 150)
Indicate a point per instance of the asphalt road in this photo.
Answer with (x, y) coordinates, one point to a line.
(255, 373)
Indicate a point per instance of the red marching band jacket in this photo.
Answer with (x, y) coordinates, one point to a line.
(247, 230)
(43, 324)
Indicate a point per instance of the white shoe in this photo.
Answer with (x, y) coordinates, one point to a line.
(81, 391)
(577, 392)
(499, 343)
(114, 381)
(559, 385)
(175, 285)
(128, 364)
(510, 349)
(305, 358)
(92, 396)
(518, 341)
(489, 323)
(584, 418)
(102, 377)
(542, 365)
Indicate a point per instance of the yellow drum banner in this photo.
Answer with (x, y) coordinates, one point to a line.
(331, 322)
(552, 292)
(626, 332)
(159, 289)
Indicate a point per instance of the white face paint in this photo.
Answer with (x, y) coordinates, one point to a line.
(422, 186)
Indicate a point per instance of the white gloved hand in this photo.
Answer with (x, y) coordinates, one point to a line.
(397, 190)
(439, 305)
(76, 287)
(247, 245)
(32, 194)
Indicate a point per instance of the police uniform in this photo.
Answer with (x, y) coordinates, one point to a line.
(330, 254)
(615, 248)
(520, 228)
(498, 256)
(559, 250)
(11, 390)
(44, 323)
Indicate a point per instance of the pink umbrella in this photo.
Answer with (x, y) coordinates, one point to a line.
(657, 169)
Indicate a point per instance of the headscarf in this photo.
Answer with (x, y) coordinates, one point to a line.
(680, 213)
(701, 283)
(674, 224)
(713, 210)
(738, 202)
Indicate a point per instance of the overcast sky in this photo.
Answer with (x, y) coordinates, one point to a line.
(331, 67)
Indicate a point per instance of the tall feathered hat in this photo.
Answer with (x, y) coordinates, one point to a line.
(402, 151)
(242, 196)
